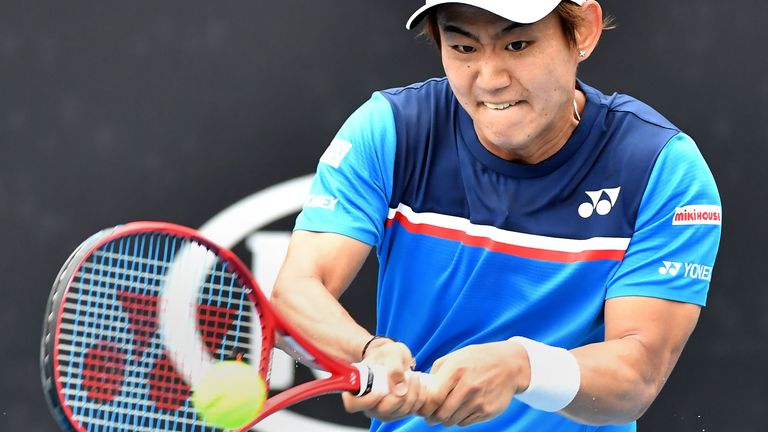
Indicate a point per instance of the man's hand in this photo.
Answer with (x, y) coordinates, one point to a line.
(476, 383)
(406, 392)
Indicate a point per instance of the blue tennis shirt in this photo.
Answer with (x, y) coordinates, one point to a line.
(474, 249)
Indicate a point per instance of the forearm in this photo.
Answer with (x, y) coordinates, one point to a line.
(316, 313)
(318, 269)
(622, 376)
(619, 381)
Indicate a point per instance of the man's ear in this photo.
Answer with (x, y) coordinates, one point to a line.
(588, 33)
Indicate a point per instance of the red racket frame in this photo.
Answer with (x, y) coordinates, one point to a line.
(344, 376)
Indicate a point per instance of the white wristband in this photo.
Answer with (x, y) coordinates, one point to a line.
(555, 376)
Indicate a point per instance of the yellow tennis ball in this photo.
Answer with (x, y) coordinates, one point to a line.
(230, 394)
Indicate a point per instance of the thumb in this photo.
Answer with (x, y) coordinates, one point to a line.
(397, 382)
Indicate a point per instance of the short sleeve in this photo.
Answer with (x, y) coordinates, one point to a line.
(353, 183)
(677, 234)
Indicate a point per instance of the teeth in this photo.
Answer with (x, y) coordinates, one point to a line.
(494, 106)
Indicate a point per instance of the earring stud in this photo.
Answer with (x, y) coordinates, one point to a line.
(582, 53)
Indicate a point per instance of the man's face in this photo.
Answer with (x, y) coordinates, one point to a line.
(515, 81)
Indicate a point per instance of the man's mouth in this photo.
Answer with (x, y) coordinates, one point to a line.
(499, 106)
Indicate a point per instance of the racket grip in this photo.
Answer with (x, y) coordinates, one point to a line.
(373, 379)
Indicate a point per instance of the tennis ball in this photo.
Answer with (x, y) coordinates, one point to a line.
(230, 394)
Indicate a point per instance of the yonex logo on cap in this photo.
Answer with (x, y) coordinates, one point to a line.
(602, 202)
(697, 215)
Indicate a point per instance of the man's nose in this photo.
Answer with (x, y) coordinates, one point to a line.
(493, 74)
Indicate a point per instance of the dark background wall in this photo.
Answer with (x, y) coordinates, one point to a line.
(173, 110)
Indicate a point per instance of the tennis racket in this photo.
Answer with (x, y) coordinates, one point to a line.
(138, 313)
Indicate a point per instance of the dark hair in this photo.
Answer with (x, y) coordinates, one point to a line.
(568, 12)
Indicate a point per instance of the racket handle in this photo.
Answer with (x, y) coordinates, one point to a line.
(373, 379)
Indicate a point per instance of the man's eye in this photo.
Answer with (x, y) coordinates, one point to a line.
(465, 49)
(517, 45)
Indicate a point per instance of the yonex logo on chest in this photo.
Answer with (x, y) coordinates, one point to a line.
(600, 201)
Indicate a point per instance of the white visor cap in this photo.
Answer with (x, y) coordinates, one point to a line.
(519, 11)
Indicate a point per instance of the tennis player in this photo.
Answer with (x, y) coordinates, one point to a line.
(545, 249)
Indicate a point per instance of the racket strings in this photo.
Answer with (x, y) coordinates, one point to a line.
(112, 363)
(167, 389)
(103, 370)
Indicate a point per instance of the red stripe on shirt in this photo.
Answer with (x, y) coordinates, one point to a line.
(507, 248)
